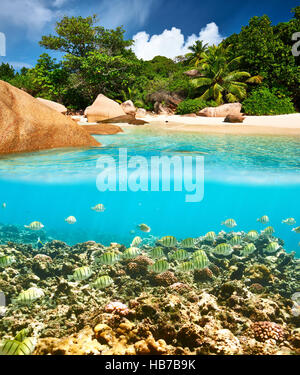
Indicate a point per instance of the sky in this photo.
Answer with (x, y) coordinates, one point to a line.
(158, 27)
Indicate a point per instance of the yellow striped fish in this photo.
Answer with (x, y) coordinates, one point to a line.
(201, 261)
(289, 221)
(21, 335)
(223, 249)
(6, 261)
(157, 253)
(71, 220)
(136, 241)
(179, 254)
(109, 258)
(296, 230)
(248, 249)
(272, 247)
(98, 208)
(264, 219)
(80, 274)
(229, 223)
(252, 235)
(144, 228)
(102, 282)
(28, 296)
(188, 243)
(168, 241)
(186, 266)
(198, 253)
(14, 347)
(159, 266)
(131, 253)
(35, 225)
(235, 240)
(269, 231)
(210, 236)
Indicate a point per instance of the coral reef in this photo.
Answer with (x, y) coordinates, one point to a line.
(234, 306)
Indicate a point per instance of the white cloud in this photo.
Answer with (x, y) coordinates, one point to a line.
(32, 15)
(171, 43)
(19, 65)
(113, 13)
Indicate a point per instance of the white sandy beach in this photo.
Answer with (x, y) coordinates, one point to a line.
(260, 125)
(252, 125)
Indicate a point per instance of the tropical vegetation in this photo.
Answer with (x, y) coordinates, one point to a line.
(255, 67)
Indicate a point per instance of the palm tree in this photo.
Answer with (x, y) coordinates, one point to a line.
(197, 50)
(219, 79)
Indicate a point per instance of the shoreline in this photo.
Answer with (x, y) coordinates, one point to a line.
(282, 125)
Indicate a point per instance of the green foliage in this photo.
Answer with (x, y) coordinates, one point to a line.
(50, 77)
(7, 72)
(99, 60)
(194, 58)
(220, 78)
(110, 75)
(193, 106)
(265, 102)
(266, 51)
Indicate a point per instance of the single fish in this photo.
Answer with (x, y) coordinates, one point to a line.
(131, 253)
(109, 258)
(188, 243)
(98, 208)
(40, 244)
(22, 335)
(6, 261)
(71, 220)
(159, 266)
(252, 235)
(210, 236)
(181, 254)
(269, 231)
(229, 223)
(248, 249)
(168, 241)
(186, 266)
(80, 274)
(4, 205)
(28, 296)
(264, 219)
(223, 249)
(272, 247)
(296, 230)
(201, 260)
(35, 225)
(289, 221)
(235, 240)
(144, 228)
(157, 253)
(14, 347)
(136, 241)
(198, 253)
(102, 282)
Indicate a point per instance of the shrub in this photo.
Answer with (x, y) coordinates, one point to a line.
(264, 102)
(193, 106)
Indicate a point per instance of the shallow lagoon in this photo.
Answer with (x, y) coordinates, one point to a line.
(244, 178)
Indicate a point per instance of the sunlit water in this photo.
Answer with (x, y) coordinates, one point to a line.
(244, 178)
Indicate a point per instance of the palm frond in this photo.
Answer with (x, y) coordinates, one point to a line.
(255, 79)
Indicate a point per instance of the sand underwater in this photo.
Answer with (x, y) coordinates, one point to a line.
(230, 303)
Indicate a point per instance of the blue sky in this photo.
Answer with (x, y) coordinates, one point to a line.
(164, 27)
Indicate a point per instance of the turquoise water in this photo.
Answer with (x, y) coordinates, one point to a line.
(244, 178)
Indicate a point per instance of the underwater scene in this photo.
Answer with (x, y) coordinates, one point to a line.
(88, 267)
